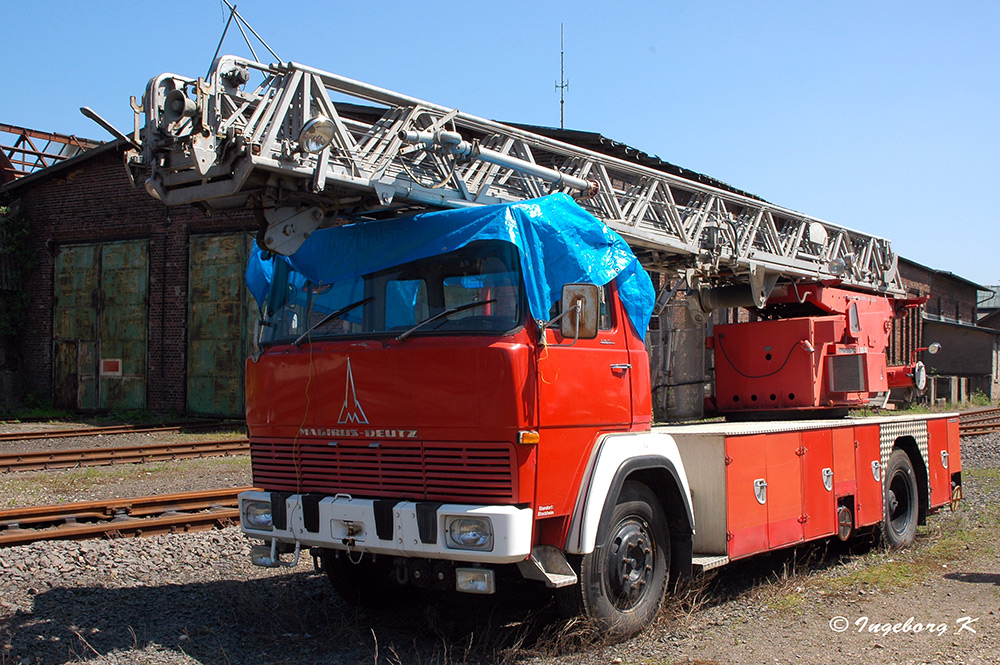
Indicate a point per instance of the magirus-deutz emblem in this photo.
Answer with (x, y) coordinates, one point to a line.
(351, 413)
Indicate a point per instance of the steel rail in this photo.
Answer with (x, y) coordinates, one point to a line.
(137, 516)
(67, 459)
(110, 429)
(982, 421)
(979, 415)
(977, 431)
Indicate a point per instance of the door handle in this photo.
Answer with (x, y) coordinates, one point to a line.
(622, 366)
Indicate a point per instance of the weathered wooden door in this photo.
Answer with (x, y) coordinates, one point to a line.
(74, 330)
(220, 318)
(100, 325)
(124, 289)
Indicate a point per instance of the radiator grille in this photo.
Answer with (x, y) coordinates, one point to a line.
(847, 373)
(414, 470)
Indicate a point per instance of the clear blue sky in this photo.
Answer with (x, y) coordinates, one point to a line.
(880, 116)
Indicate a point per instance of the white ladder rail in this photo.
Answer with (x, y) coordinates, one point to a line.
(251, 137)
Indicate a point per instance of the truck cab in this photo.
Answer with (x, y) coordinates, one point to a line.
(421, 417)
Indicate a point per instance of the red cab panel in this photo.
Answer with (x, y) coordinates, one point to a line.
(349, 416)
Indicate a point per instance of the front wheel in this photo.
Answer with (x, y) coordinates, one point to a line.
(623, 581)
(901, 502)
(367, 583)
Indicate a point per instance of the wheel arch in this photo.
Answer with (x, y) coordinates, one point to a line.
(660, 476)
(909, 446)
(649, 458)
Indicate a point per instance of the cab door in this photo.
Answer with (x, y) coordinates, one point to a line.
(587, 383)
(583, 390)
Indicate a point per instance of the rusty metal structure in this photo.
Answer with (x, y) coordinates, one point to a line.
(24, 151)
(104, 431)
(47, 460)
(137, 516)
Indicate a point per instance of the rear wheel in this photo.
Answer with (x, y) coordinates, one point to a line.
(623, 581)
(901, 502)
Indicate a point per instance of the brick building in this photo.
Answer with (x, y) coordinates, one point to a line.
(133, 305)
(968, 361)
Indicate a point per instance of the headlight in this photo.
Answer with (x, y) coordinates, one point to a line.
(470, 533)
(316, 134)
(257, 515)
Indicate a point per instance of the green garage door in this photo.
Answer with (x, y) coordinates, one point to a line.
(220, 318)
(100, 325)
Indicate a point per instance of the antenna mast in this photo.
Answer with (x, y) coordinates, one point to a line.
(563, 84)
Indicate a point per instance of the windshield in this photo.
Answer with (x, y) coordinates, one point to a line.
(475, 289)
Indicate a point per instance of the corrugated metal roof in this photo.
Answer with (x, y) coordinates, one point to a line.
(989, 298)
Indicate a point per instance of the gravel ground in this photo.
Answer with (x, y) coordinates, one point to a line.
(981, 452)
(195, 598)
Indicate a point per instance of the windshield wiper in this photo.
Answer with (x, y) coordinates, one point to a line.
(440, 315)
(332, 315)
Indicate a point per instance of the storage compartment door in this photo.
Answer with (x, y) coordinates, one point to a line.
(868, 501)
(938, 462)
(746, 513)
(818, 484)
(784, 489)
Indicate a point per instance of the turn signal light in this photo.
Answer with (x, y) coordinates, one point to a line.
(528, 438)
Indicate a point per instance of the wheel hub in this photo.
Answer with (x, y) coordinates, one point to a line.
(630, 563)
(893, 502)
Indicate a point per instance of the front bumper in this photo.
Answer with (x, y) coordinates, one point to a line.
(406, 528)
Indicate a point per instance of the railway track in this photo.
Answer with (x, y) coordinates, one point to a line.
(983, 421)
(111, 429)
(68, 459)
(138, 516)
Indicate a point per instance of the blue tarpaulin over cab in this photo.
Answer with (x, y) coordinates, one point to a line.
(558, 243)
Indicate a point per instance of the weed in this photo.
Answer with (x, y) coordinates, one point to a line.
(915, 408)
(979, 398)
(35, 407)
(188, 437)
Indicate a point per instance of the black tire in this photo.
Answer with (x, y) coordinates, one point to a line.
(368, 583)
(623, 581)
(902, 502)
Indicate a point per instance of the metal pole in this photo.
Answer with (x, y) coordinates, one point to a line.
(218, 48)
(563, 84)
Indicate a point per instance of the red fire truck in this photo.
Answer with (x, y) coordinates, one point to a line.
(436, 395)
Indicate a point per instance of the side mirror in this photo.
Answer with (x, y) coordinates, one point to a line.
(580, 305)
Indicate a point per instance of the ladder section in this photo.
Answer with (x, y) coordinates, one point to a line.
(308, 148)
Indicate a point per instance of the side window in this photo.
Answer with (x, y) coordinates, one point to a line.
(604, 321)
